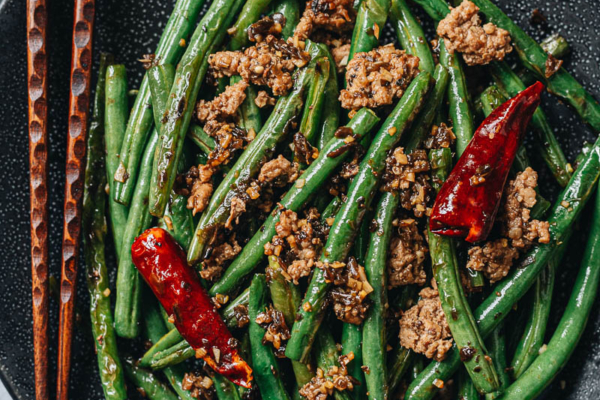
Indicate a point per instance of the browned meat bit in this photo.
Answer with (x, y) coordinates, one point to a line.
(268, 25)
(350, 290)
(241, 315)
(323, 384)
(517, 230)
(378, 77)
(269, 63)
(149, 60)
(279, 172)
(340, 56)
(304, 152)
(407, 175)
(297, 243)
(238, 207)
(441, 137)
(263, 99)
(277, 331)
(199, 386)
(552, 65)
(199, 187)
(478, 44)
(331, 15)
(229, 139)
(495, 259)
(423, 327)
(408, 252)
(212, 267)
(222, 108)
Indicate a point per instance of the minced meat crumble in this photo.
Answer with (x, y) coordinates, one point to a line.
(212, 267)
(279, 172)
(276, 330)
(378, 77)
(200, 387)
(263, 99)
(479, 45)
(323, 384)
(407, 255)
(222, 108)
(331, 15)
(518, 231)
(199, 187)
(424, 329)
(441, 137)
(269, 63)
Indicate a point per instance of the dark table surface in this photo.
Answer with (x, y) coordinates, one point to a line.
(130, 28)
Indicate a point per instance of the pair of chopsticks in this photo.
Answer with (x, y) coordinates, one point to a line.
(37, 66)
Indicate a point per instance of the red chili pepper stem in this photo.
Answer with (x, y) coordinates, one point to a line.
(467, 203)
(162, 263)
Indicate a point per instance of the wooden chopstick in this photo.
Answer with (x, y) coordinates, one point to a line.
(79, 100)
(37, 71)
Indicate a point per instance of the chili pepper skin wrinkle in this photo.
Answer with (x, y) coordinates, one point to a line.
(162, 263)
(467, 203)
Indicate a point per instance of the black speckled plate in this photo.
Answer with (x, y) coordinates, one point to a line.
(129, 28)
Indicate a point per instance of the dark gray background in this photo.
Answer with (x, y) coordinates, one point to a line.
(129, 28)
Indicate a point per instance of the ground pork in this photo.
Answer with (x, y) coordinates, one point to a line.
(330, 15)
(222, 108)
(408, 251)
(340, 56)
(441, 137)
(479, 45)
(378, 77)
(518, 232)
(200, 386)
(322, 385)
(279, 172)
(269, 63)
(229, 139)
(350, 290)
(297, 243)
(238, 207)
(263, 99)
(424, 329)
(268, 25)
(212, 267)
(407, 175)
(276, 330)
(199, 183)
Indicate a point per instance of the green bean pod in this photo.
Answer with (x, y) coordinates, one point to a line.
(174, 355)
(348, 220)
(169, 50)
(178, 220)
(225, 389)
(495, 307)
(264, 364)
(546, 142)
(165, 341)
(249, 113)
(182, 99)
(296, 198)
(411, 35)
(496, 343)
(352, 342)
(556, 45)
(114, 125)
(146, 381)
(129, 283)
(310, 124)
(466, 388)
(330, 119)
(201, 139)
(248, 164)
(452, 297)
(326, 356)
(370, 20)
(249, 14)
(397, 367)
(290, 9)
(94, 234)
(571, 326)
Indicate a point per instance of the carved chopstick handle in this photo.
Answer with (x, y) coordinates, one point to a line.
(79, 100)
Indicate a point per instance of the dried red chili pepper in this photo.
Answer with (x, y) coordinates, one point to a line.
(469, 199)
(162, 263)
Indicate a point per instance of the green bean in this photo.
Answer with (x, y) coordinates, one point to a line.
(546, 143)
(327, 357)
(374, 349)
(571, 326)
(169, 50)
(397, 367)
(421, 128)
(178, 220)
(154, 330)
(556, 45)
(146, 381)
(129, 283)
(290, 9)
(370, 20)
(411, 35)
(466, 388)
(174, 355)
(531, 54)
(349, 218)
(352, 342)
(264, 364)
(452, 297)
(286, 298)
(115, 123)
(496, 343)
(250, 14)
(201, 139)
(180, 106)
(225, 389)
(248, 164)
(330, 119)
(249, 112)
(296, 198)
(165, 341)
(94, 234)
(165, 317)
(507, 292)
